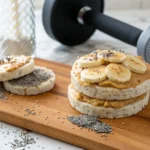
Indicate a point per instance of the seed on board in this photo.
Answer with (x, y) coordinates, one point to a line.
(90, 122)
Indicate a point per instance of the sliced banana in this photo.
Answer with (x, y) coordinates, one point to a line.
(90, 60)
(135, 64)
(118, 73)
(93, 75)
(112, 56)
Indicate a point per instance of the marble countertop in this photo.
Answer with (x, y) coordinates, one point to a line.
(49, 49)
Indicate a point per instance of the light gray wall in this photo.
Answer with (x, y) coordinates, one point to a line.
(127, 4)
(116, 4)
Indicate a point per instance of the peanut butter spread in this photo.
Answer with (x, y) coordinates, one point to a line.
(105, 103)
(12, 63)
(135, 80)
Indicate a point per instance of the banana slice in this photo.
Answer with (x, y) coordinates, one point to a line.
(93, 75)
(90, 60)
(135, 64)
(118, 73)
(112, 56)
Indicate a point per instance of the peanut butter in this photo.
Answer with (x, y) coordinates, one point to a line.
(106, 103)
(14, 62)
(136, 79)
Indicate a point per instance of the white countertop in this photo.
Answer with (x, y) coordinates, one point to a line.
(51, 50)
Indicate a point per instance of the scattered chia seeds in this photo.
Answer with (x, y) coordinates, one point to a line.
(17, 139)
(90, 122)
(23, 141)
(29, 112)
(35, 78)
(108, 54)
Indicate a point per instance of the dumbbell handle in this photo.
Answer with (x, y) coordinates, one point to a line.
(113, 27)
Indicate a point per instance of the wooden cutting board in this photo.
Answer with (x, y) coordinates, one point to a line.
(49, 112)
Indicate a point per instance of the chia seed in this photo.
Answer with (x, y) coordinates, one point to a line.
(109, 54)
(23, 142)
(29, 112)
(35, 78)
(90, 122)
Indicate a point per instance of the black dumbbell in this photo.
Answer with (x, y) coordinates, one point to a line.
(72, 22)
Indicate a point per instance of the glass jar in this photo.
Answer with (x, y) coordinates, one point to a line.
(17, 27)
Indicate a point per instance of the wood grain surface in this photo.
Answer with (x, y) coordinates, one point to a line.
(51, 111)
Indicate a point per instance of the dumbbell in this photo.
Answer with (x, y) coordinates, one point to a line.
(72, 22)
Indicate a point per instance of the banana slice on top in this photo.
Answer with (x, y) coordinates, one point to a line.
(93, 75)
(90, 60)
(112, 56)
(135, 64)
(118, 73)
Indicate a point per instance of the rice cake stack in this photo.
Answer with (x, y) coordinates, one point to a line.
(109, 84)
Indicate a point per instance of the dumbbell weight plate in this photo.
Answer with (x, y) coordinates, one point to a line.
(60, 20)
(143, 45)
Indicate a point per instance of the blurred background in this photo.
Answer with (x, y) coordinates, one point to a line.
(114, 4)
(134, 12)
